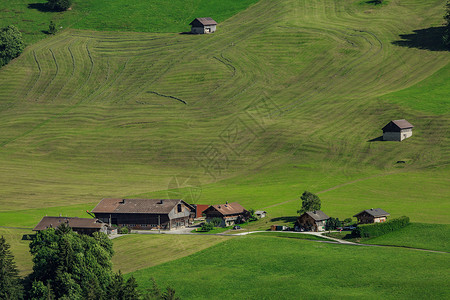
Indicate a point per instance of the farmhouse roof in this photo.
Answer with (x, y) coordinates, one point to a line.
(140, 206)
(400, 124)
(375, 212)
(317, 215)
(229, 208)
(53, 222)
(203, 21)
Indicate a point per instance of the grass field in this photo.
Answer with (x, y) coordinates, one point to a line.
(32, 17)
(302, 269)
(417, 235)
(136, 251)
(286, 96)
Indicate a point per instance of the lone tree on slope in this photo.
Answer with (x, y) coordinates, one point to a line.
(310, 202)
(59, 5)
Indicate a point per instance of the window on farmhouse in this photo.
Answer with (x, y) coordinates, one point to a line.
(179, 208)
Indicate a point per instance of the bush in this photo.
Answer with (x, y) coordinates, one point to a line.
(333, 223)
(59, 5)
(124, 230)
(207, 227)
(215, 221)
(377, 229)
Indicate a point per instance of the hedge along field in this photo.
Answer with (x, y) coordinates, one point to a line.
(32, 17)
(290, 269)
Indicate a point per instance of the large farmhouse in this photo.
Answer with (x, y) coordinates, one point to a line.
(313, 221)
(144, 213)
(203, 25)
(397, 130)
(79, 225)
(230, 213)
(373, 215)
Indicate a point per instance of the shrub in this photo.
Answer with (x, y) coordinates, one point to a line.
(215, 221)
(207, 227)
(377, 229)
(333, 223)
(124, 230)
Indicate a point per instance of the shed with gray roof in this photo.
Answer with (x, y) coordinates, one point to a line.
(373, 215)
(203, 25)
(397, 130)
(313, 221)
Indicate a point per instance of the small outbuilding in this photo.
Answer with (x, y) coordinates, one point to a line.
(313, 221)
(397, 130)
(260, 214)
(230, 213)
(373, 215)
(203, 25)
(79, 225)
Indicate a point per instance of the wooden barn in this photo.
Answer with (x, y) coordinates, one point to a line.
(79, 225)
(312, 221)
(373, 215)
(397, 130)
(145, 213)
(203, 25)
(230, 213)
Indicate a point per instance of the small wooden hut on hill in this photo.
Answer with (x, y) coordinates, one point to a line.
(203, 25)
(397, 130)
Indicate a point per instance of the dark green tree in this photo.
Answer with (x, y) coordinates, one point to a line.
(11, 44)
(155, 293)
(215, 221)
(10, 285)
(333, 223)
(310, 202)
(347, 221)
(59, 5)
(446, 37)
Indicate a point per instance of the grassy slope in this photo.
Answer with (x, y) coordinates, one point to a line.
(302, 269)
(417, 235)
(32, 18)
(301, 82)
(19, 248)
(133, 252)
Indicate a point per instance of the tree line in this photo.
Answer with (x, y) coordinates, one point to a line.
(68, 265)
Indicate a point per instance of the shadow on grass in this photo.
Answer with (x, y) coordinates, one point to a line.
(42, 7)
(284, 219)
(427, 39)
(376, 2)
(377, 139)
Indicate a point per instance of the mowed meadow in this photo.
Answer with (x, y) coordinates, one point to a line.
(286, 96)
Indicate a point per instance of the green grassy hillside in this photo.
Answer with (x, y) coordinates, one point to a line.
(33, 18)
(286, 96)
(302, 269)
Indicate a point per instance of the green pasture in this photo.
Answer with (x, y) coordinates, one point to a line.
(288, 269)
(32, 17)
(286, 96)
(138, 251)
(417, 235)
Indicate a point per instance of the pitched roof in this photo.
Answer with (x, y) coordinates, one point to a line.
(53, 222)
(140, 206)
(204, 21)
(401, 124)
(317, 215)
(375, 212)
(229, 208)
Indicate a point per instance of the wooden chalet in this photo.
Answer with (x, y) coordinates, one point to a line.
(230, 213)
(397, 130)
(373, 215)
(203, 25)
(145, 213)
(79, 225)
(312, 221)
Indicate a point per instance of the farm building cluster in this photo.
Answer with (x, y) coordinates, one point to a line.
(148, 214)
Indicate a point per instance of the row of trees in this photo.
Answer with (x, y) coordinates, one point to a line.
(68, 265)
